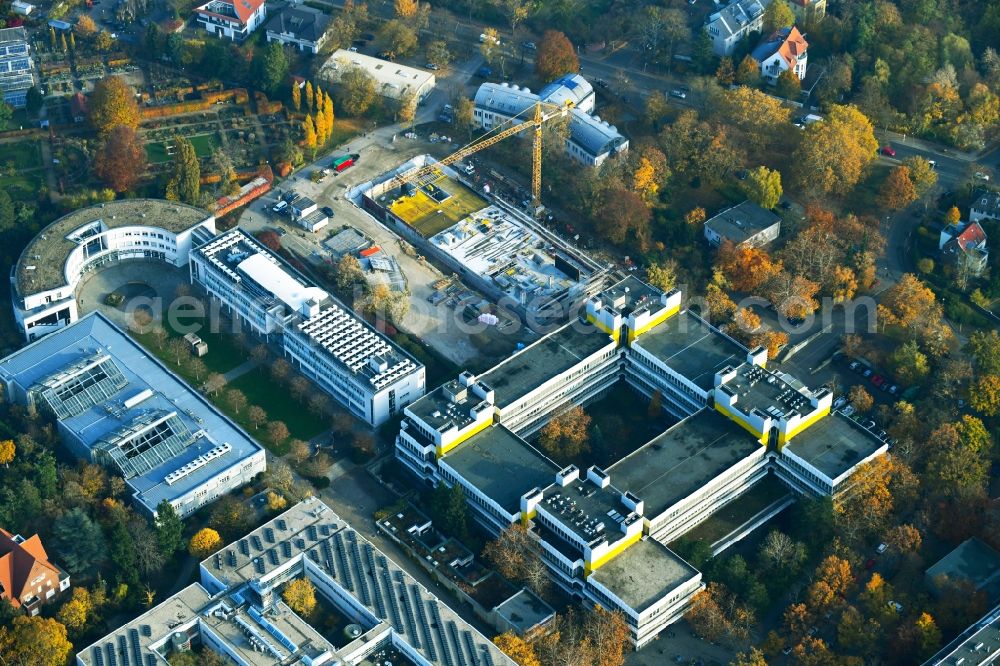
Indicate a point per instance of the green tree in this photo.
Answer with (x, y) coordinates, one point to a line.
(34, 101)
(778, 15)
(984, 346)
(763, 187)
(169, 529)
(958, 461)
(438, 53)
(910, 364)
(78, 540)
(8, 216)
(788, 84)
(450, 511)
(111, 104)
(123, 553)
(748, 73)
(272, 67)
(922, 175)
(357, 92)
(398, 37)
(662, 275)
(185, 182)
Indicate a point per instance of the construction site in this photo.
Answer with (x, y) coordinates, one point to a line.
(496, 247)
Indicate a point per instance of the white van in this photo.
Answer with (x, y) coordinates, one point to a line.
(279, 207)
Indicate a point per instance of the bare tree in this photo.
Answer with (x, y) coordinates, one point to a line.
(300, 450)
(179, 351)
(259, 353)
(277, 431)
(280, 370)
(319, 404)
(515, 555)
(257, 416)
(215, 382)
(197, 368)
(298, 387)
(236, 400)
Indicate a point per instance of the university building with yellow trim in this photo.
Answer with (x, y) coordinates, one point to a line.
(604, 532)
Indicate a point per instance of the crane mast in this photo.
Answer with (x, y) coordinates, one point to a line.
(541, 116)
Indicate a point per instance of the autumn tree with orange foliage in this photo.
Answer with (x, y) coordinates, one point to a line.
(566, 436)
(832, 580)
(516, 556)
(794, 297)
(746, 268)
(773, 341)
(715, 614)
(897, 190)
(556, 56)
(834, 154)
(624, 218)
(121, 161)
(518, 649)
(913, 307)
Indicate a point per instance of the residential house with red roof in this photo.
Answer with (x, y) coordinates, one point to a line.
(27, 578)
(232, 19)
(964, 244)
(785, 49)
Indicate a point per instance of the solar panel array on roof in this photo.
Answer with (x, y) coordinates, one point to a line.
(418, 603)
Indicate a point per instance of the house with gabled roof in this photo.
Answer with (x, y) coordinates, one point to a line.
(985, 205)
(785, 49)
(964, 244)
(232, 19)
(733, 23)
(27, 578)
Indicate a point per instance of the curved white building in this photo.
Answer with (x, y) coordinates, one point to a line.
(46, 277)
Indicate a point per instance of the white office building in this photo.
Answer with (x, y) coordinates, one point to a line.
(383, 616)
(117, 406)
(603, 533)
(357, 365)
(55, 262)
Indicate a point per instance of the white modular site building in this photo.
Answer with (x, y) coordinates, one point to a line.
(117, 406)
(356, 364)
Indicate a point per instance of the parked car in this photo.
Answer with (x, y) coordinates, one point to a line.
(529, 45)
(882, 547)
(483, 37)
(679, 94)
(432, 66)
(888, 150)
(839, 402)
(982, 176)
(280, 231)
(848, 410)
(327, 211)
(484, 72)
(878, 380)
(867, 373)
(894, 389)
(855, 365)
(279, 207)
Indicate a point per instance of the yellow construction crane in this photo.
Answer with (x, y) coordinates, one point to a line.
(544, 111)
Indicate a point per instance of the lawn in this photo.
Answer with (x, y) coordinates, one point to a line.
(21, 155)
(344, 130)
(204, 145)
(259, 389)
(739, 511)
(224, 352)
(21, 187)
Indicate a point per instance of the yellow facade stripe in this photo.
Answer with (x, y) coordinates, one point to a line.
(525, 517)
(613, 552)
(656, 321)
(441, 450)
(758, 435)
(599, 324)
(783, 438)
